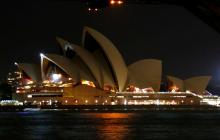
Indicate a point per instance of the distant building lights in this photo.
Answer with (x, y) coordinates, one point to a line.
(96, 101)
(125, 102)
(188, 91)
(29, 82)
(135, 102)
(112, 103)
(29, 96)
(16, 64)
(66, 101)
(27, 87)
(86, 101)
(157, 102)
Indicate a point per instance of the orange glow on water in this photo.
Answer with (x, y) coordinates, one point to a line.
(113, 115)
(114, 126)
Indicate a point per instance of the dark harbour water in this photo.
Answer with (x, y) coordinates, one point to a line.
(113, 126)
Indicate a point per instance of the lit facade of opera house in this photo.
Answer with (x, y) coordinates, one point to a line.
(94, 73)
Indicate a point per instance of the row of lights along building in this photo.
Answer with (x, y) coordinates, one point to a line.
(96, 74)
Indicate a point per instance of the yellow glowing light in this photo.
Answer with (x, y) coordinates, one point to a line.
(187, 91)
(120, 2)
(112, 103)
(88, 83)
(29, 96)
(174, 88)
(30, 82)
(46, 81)
(66, 85)
(125, 102)
(27, 87)
(112, 2)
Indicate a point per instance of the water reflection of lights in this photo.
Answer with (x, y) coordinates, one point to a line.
(114, 126)
(111, 115)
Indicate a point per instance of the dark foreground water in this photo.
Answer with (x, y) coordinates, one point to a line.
(116, 126)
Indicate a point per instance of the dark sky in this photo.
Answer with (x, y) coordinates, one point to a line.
(186, 45)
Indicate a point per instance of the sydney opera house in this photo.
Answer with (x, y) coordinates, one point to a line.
(95, 73)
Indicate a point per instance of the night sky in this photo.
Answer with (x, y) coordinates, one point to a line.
(186, 45)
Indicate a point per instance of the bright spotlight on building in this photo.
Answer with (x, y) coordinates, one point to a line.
(56, 77)
(41, 54)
